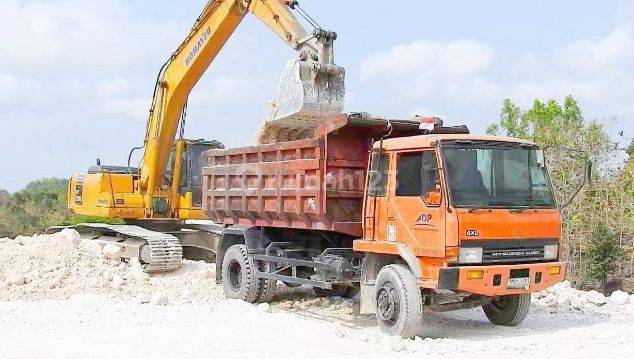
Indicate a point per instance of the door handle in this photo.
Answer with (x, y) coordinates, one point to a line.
(391, 218)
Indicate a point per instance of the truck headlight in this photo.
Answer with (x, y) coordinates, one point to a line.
(551, 251)
(470, 255)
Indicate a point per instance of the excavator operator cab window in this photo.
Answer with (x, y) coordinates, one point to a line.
(169, 172)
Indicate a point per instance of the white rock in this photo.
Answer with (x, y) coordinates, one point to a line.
(93, 247)
(596, 298)
(186, 295)
(117, 281)
(159, 298)
(589, 308)
(563, 300)
(72, 235)
(619, 297)
(264, 307)
(16, 279)
(4, 240)
(206, 274)
(137, 274)
(632, 299)
(578, 303)
(134, 263)
(144, 298)
(26, 268)
(325, 302)
(112, 251)
(57, 280)
(551, 299)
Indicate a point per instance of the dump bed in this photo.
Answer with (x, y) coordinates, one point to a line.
(314, 183)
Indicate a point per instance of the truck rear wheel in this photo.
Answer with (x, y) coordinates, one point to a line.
(509, 310)
(238, 274)
(399, 308)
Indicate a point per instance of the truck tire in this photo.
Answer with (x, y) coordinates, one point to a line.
(238, 275)
(267, 290)
(508, 310)
(399, 309)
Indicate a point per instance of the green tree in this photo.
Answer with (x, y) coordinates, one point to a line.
(39, 205)
(604, 253)
(558, 127)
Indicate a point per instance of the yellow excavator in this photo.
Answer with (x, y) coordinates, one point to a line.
(165, 190)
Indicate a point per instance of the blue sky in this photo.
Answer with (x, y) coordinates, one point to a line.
(76, 76)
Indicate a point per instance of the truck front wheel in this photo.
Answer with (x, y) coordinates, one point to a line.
(509, 310)
(399, 308)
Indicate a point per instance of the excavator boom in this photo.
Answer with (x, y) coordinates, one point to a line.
(311, 86)
(167, 187)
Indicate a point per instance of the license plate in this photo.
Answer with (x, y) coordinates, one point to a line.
(519, 282)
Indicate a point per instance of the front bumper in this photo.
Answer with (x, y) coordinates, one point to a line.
(495, 278)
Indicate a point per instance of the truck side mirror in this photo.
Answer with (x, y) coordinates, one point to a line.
(432, 191)
(587, 175)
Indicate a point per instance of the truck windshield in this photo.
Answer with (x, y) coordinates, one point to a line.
(497, 174)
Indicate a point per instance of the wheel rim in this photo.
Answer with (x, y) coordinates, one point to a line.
(235, 275)
(388, 304)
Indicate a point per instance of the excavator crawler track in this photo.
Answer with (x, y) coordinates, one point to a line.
(157, 252)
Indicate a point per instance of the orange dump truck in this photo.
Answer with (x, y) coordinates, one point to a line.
(407, 214)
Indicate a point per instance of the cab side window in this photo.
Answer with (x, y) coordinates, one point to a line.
(416, 174)
(377, 185)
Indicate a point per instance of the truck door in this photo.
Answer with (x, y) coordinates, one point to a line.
(415, 214)
(376, 199)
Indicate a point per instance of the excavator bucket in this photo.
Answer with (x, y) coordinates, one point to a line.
(304, 97)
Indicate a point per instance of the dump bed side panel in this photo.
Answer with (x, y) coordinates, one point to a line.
(311, 184)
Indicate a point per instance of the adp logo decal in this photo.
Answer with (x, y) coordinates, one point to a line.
(423, 221)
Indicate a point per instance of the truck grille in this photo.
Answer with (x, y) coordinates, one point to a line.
(501, 255)
(511, 250)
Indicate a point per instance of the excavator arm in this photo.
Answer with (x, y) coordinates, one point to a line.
(314, 78)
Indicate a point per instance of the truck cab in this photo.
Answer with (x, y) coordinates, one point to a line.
(468, 214)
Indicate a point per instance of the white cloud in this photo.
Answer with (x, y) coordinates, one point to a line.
(224, 89)
(615, 52)
(467, 76)
(598, 72)
(425, 58)
(136, 109)
(114, 86)
(424, 69)
(87, 35)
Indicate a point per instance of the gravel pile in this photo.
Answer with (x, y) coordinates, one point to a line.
(59, 265)
(564, 296)
(57, 285)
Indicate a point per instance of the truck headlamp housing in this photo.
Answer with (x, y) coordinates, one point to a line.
(551, 251)
(470, 255)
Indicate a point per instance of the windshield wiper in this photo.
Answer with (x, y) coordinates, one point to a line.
(499, 204)
(475, 208)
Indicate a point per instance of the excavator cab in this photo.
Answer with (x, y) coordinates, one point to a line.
(184, 173)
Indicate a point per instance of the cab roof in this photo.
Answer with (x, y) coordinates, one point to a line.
(421, 141)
